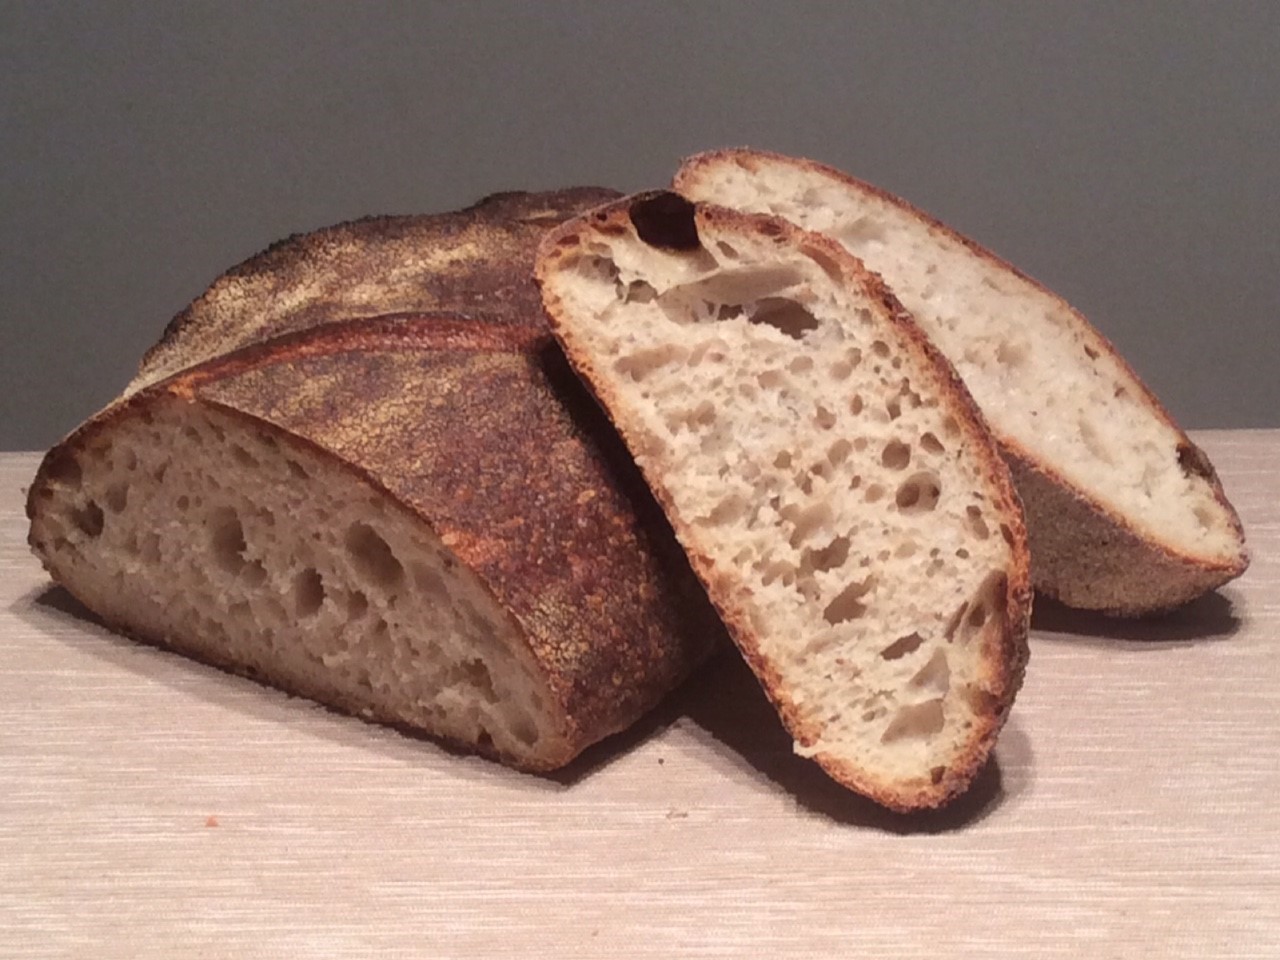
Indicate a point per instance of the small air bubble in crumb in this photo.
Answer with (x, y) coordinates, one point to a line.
(211, 821)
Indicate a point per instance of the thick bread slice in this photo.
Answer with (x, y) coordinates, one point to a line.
(477, 260)
(424, 521)
(824, 469)
(1125, 514)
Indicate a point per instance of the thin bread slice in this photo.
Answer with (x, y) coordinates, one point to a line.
(476, 260)
(424, 521)
(825, 471)
(1125, 514)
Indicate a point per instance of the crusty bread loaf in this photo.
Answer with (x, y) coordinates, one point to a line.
(421, 520)
(477, 260)
(826, 472)
(1124, 513)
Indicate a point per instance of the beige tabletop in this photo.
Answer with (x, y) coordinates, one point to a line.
(153, 807)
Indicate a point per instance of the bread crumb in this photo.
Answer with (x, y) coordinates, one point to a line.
(211, 821)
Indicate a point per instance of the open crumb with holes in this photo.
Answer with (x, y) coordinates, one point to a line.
(825, 471)
(1124, 512)
(422, 521)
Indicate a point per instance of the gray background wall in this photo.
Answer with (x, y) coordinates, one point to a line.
(1124, 153)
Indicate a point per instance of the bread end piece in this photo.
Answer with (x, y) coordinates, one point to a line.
(347, 513)
(1125, 514)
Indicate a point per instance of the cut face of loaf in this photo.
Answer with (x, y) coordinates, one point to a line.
(1124, 513)
(478, 260)
(421, 521)
(823, 469)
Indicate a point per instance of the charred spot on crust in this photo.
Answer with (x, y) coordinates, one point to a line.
(666, 220)
(1194, 462)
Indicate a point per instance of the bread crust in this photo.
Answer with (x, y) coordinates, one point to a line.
(480, 433)
(1007, 655)
(477, 260)
(1084, 553)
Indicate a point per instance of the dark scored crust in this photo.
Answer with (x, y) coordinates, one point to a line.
(477, 260)
(1084, 552)
(480, 431)
(1007, 654)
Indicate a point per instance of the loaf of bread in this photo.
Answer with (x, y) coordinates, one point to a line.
(826, 472)
(1124, 513)
(477, 260)
(421, 519)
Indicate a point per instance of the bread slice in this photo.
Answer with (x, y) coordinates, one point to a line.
(476, 260)
(1125, 514)
(825, 471)
(422, 520)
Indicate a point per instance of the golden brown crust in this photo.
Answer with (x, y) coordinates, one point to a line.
(1140, 573)
(475, 260)
(479, 431)
(1008, 651)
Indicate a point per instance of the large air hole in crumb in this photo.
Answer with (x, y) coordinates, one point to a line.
(830, 557)
(935, 675)
(254, 574)
(1013, 353)
(855, 404)
(308, 592)
(771, 379)
(801, 364)
(838, 452)
(372, 556)
(848, 603)
(642, 363)
(428, 581)
(523, 728)
(786, 316)
(226, 537)
(824, 418)
(88, 519)
(298, 471)
(65, 471)
(477, 675)
(807, 521)
(243, 457)
(874, 492)
(916, 722)
(930, 444)
(896, 455)
(727, 511)
(902, 646)
(919, 493)
(989, 602)
(117, 496)
(976, 523)
(637, 291)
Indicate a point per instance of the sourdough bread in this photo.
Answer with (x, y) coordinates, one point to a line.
(1125, 514)
(476, 260)
(825, 471)
(421, 520)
